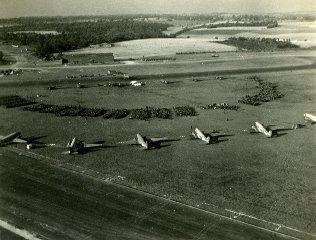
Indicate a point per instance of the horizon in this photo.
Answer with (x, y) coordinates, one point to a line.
(64, 8)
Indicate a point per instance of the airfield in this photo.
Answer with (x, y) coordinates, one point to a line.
(266, 185)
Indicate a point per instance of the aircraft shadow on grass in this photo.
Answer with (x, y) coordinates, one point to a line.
(94, 149)
(159, 145)
(34, 139)
(278, 132)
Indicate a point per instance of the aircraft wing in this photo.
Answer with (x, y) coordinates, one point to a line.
(93, 145)
(19, 140)
(66, 152)
(161, 139)
(129, 142)
(55, 145)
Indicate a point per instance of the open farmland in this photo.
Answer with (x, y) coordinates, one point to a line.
(158, 47)
(300, 33)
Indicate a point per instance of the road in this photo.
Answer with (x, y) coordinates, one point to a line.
(55, 203)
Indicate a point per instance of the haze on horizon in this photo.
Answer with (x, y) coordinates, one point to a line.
(22, 8)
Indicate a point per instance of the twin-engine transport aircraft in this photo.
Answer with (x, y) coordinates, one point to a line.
(198, 134)
(259, 128)
(11, 138)
(310, 118)
(146, 142)
(212, 137)
(76, 146)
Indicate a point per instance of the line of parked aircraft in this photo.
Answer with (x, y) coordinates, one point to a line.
(76, 146)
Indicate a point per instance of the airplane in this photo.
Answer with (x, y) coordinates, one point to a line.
(259, 128)
(207, 137)
(146, 142)
(11, 138)
(76, 146)
(310, 118)
(198, 134)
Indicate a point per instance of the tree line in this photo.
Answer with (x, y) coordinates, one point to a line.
(259, 44)
(74, 35)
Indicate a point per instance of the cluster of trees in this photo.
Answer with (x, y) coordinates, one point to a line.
(259, 44)
(74, 35)
(222, 106)
(146, 113)
(185, 111)
(267, 92)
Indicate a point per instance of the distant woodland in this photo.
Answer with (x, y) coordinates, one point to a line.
(74, 35)
(259, 44)
(82, 31)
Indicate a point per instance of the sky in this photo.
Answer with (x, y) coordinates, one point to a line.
(21, 8)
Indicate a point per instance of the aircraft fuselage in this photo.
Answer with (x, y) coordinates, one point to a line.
(141, 140)
(260, 128)
(197, 133)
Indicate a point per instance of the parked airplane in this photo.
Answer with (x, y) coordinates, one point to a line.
(258, 127)
(198, 134)
(76, 146)
(310, 118)
(146, 142)
(11, 138)
(213, 137)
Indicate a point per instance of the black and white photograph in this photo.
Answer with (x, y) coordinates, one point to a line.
(157, 119)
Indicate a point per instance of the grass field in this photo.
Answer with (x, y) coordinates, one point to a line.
(158, 47)
(272, 179)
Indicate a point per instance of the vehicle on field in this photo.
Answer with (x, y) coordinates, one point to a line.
(51, 88)
(137, 83)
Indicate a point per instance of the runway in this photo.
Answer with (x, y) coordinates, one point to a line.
(55, 203)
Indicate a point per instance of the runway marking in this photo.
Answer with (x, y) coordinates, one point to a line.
(278, 226)
(90, 174)
(20, 232)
